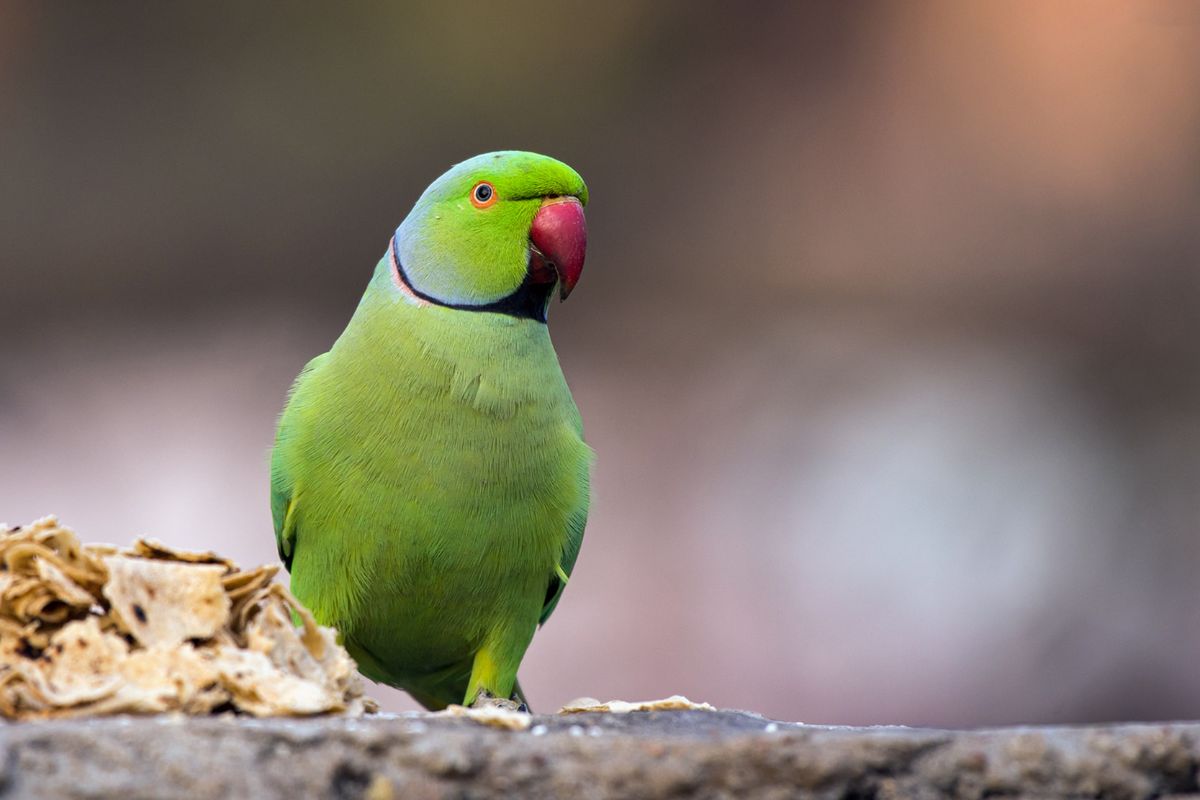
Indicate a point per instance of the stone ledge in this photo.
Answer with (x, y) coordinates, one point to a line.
(725, 754)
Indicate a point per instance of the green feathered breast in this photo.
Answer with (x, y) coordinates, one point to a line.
(429, 482)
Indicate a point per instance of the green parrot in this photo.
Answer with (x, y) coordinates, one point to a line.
(429, 480)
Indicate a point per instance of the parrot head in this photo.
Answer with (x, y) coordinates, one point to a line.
(498, 233)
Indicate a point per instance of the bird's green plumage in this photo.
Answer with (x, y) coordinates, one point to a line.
(429, 478)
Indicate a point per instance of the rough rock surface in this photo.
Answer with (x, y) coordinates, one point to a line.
(644, 755)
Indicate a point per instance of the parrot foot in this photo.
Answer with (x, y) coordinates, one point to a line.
(485, 699)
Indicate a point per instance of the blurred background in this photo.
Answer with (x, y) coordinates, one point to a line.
(888, 341)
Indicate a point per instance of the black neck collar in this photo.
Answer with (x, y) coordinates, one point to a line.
(529, 301)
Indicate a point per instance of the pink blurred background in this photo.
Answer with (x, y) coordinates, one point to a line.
(888, 341)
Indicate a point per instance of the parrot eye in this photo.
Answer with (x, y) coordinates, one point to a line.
(483, 195)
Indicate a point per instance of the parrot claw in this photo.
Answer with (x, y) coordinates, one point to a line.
(485, 699)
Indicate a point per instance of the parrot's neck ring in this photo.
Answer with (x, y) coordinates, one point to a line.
(529, 301)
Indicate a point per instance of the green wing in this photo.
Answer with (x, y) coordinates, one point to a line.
(554, 590)
(575, 525)
(283, 477)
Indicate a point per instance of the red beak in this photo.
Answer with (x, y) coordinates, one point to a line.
(559, 237)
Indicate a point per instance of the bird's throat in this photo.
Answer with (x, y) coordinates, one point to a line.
(529, 301)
